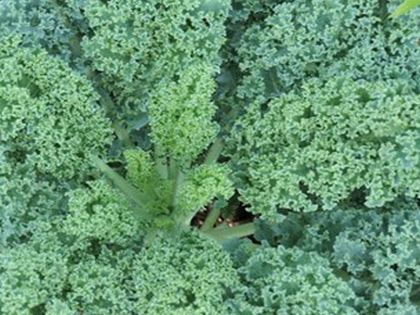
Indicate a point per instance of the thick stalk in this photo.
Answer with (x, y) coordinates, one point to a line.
(225, 233)
(214, 152)
(129, 190)
(122, 133)
(173, 169)
(404, 7)
(211, 219)
(160, 160)
(177, 176)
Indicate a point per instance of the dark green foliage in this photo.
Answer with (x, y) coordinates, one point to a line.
(375, 251)
(25, 201)
(292, 41)
(290, 281)
(41, 23)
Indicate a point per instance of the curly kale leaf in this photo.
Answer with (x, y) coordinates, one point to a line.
(136, 44)
(298, 40)
(199, 272)
(49, 115)
(181, 114)
(374, 250)
(291, 281)
(312, 149)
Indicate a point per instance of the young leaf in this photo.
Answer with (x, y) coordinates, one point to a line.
(404, 7)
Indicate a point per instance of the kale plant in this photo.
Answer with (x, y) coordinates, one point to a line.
(209, 157)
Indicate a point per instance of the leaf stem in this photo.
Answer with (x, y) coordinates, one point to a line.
(122, 133)
(129, 190)
(225, 233)
(211, 219)
(177, 176)
(404, 7)
(214, 152)
(160, 162)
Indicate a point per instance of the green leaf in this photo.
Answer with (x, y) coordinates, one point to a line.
(406, 6)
